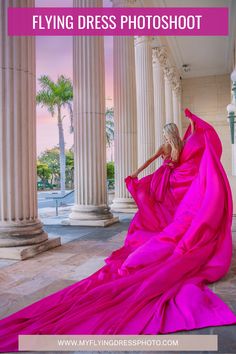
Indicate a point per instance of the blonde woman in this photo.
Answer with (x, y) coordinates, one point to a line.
(171, 149)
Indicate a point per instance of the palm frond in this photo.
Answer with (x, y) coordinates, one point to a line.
(46, 83)
(55, 94)
(46, 99)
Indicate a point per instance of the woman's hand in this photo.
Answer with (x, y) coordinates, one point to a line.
(134, 175)
(187, 113)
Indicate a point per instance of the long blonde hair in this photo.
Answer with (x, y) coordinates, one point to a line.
(171, 133)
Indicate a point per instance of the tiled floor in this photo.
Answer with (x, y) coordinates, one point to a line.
(82, 253)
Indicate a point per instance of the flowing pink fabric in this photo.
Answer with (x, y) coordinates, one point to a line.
(179, 241)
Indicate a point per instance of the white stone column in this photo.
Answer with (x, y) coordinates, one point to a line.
(175, 107)
(89, 132)
(145, 101)
(125, 117)
(21, 233)
(176, 91)
(180, 110)
(168, 96)
(159, 61)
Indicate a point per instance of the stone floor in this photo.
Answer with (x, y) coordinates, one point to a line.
(82, 252)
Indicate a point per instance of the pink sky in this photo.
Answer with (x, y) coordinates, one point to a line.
(54, 57)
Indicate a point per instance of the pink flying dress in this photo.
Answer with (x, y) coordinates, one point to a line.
(178, 242)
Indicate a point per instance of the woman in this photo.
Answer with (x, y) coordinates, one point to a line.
(170, 150)
(178, 242)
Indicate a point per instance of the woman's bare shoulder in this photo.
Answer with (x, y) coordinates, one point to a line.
(162, 150)
(166, 148)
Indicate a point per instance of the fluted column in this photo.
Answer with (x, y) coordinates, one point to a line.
(21, 233)
(175, 107)
(176, 89)
(90, 137)
(179, 95)
(159, 61)
(168, 97)
(178, 92)
(145, 101)
(125, 116)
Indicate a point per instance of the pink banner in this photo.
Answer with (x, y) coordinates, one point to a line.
(118, 21)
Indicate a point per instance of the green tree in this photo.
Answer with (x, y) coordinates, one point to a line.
(54, 96)
(70, 169)
(110, 174)
(51, 157)
(110, 170)
(43, 172)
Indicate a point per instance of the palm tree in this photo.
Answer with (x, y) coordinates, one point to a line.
(109, 126)
(55, 96)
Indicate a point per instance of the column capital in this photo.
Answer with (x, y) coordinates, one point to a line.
(169, 72)
(176, 83)
(177, 87)
(172, 75)
(160, 54)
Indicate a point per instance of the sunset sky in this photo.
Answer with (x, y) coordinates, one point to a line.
(54, 57)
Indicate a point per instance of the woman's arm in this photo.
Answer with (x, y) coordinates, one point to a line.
(149, 161)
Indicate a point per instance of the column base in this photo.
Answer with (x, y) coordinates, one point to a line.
(23, 240)
(26, 252)
(124, 205)
(90, 215)
(17, 234)
(102, 223)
